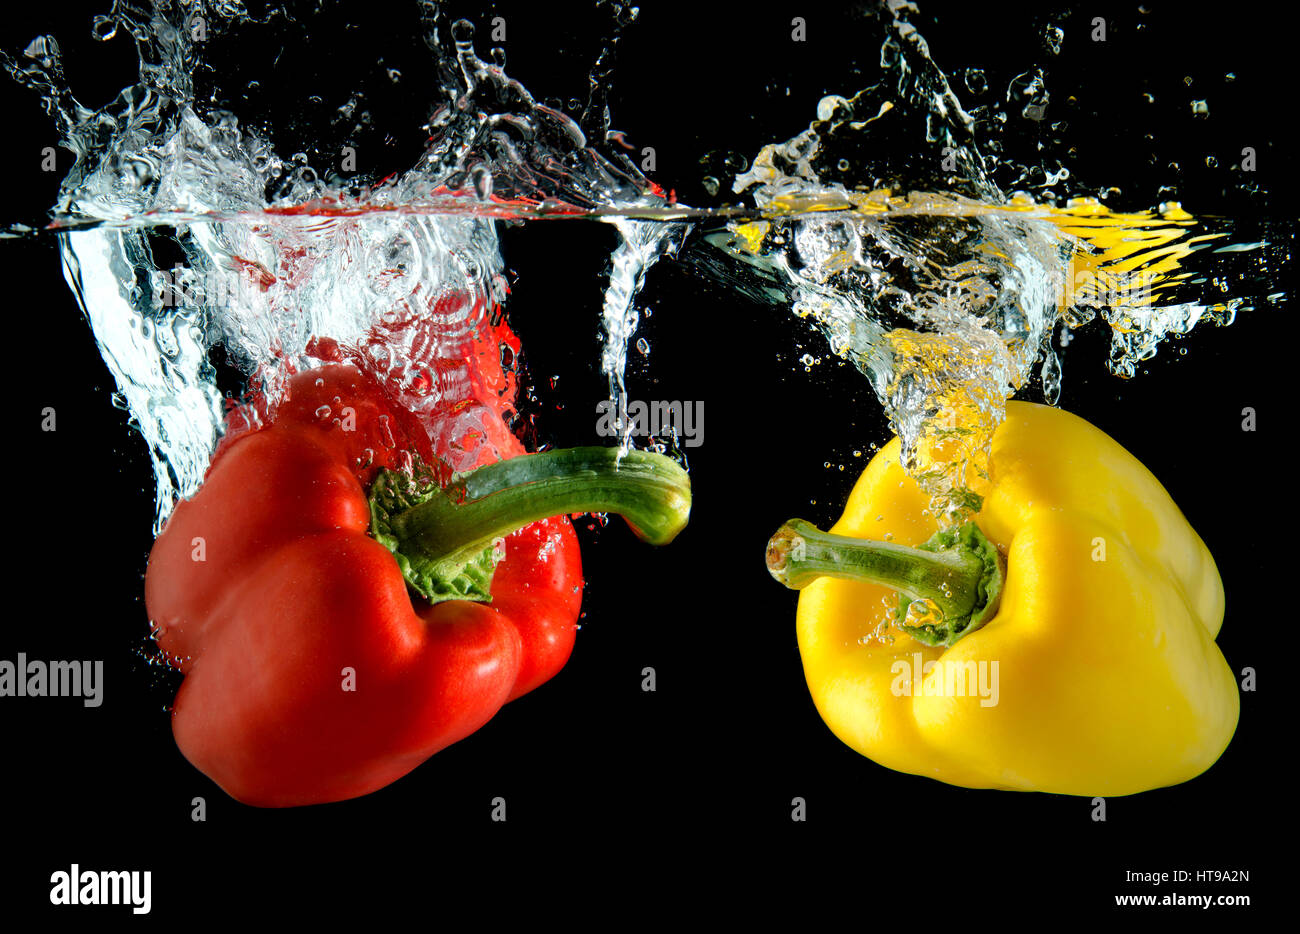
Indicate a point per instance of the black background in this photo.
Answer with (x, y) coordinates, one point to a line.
(674, 803)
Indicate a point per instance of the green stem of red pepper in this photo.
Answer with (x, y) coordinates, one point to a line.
(959, 572)
(443, 537)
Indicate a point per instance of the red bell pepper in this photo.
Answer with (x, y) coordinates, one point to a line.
(338, 623)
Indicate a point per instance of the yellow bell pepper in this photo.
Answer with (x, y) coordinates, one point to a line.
(1064, 640)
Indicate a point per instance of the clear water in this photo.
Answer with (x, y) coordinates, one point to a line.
(894, 224)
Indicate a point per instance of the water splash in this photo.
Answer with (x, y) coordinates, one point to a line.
(897, 223)
(940, 287)
(186, 237)
(641, 244)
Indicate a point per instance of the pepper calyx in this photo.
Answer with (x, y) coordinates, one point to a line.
(967, 539)
(463, 574)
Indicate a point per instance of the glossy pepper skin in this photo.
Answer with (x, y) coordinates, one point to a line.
(1109, 678)
(292, 597)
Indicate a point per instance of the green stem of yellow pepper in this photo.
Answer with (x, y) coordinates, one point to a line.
(957, 571)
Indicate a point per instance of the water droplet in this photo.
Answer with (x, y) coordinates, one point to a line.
(462, 32)
(1051, 376)
(832, 106)
(482, 179)
(42, 49)
(383, 431)
(710, 185)
(1052, 38)
(922, 613)
(103, 28)
(643, 346)
(1200, 109)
